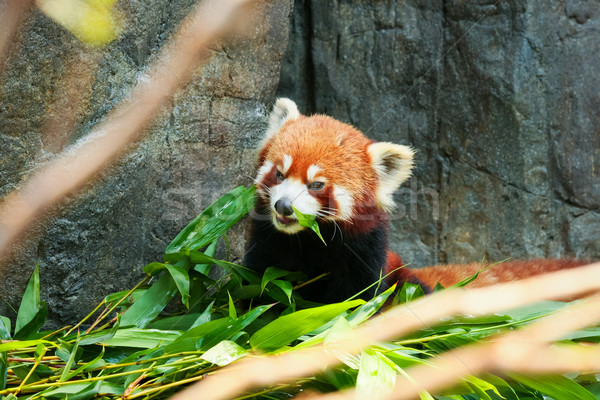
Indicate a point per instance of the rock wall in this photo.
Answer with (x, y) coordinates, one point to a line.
(500, 99)
(199, 148)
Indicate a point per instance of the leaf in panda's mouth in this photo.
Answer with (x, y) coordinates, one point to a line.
(309, 221)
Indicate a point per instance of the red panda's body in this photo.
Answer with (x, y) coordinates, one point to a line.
(329, 169)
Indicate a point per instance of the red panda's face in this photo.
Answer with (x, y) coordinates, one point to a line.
(325, 168)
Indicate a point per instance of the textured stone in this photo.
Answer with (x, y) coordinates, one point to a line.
(499, 98)
(197, 149)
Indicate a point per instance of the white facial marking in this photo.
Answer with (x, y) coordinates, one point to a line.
(312, 171)
(296, 192)
(287, 163)
(344, 201)
(262, 171)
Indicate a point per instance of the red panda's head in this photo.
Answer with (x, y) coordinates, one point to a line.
(326, 168)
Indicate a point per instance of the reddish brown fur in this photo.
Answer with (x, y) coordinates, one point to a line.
(448, 275)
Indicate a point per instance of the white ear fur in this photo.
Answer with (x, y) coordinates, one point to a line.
(283, 111)
(393, 164)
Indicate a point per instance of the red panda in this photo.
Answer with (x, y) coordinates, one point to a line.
(329, 169)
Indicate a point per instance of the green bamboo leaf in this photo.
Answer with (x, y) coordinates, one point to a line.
(224, 353)
(96, 362)
(290, 327)
(285, 286)
(310, 222)
(480, 387)
(232, 312)
(209, 334)
(270, 274)
(204, 269)
(30, 307)
(409, 292)
(204, 317)
(3, 370)
(34, 325)
(4, 328)
(83, 391)
(154, 268)
(197, 257)
(182, 280)
(183, 322)
(22, 344)
(73, 358)
(100, 336)
(340, 330)
(152, 302)
(376, 376)
(367, 310)
(558, 387)
(142, 338)
(215, 220)
(179, 274)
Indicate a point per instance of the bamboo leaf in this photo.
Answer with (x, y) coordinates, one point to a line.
(152, 302)
(83, 391)
(215, 220)
(376, 376)
(204, 269)
(22, 344)
(3, 370)
(72, 359)
(290, 327)
(209, 334)
(557, 386)
(100, 336)
(310, 222)
(224, 353)
(34, 324)
(286, 287)
(270, 274)
(409, 292)
(4, 328)
(182, 281)
(197, 257)
(232, 312)
(367, 310)
(183, 322)
(142, 338)
(30, 317)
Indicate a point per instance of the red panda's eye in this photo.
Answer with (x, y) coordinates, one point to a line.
(316, 185)
(279, 176)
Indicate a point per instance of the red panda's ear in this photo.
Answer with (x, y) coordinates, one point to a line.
(393, 164)
(284, 110)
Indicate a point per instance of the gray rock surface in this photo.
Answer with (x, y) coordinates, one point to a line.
(199, 148)
(500, 99)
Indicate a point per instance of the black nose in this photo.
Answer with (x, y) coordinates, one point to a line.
(283, 206)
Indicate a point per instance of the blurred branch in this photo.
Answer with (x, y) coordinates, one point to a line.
(264, 371)
(76, 166)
